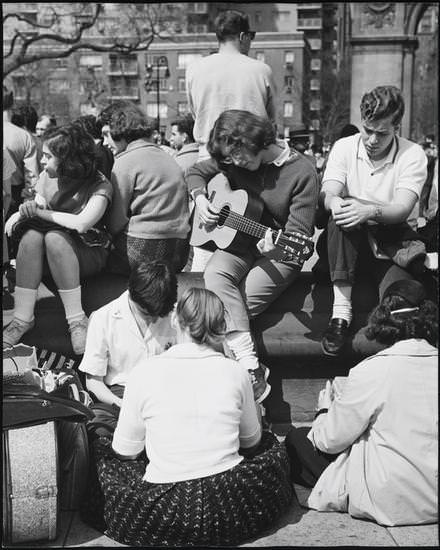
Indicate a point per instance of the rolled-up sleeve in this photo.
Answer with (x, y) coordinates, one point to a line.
(96, 354)
(198, 176)
(413, 170)
(337, 166)
(129, 436)
(350, 415)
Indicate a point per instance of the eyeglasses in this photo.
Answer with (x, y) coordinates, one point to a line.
(236, 155)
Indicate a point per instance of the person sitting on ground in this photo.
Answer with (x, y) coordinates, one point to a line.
(251, 275)
(61, 231)
(149, 216)
(129, 329)
(371, 186)
(182, 140)
(372, 450)
(212, 477)
(104, 156)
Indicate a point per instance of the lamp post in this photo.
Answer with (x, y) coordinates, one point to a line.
(160, 67)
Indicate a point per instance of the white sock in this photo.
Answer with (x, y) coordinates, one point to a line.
(25, 299)
(72, 304)
(342, 301)
(242, 346)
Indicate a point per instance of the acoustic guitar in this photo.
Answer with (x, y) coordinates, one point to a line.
(237, 227)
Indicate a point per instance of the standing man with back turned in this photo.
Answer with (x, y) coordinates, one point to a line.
(227, 80)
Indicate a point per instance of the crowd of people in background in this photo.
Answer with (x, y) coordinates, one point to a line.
(191, 454)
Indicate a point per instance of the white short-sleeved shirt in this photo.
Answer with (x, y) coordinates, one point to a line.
(115, 344)
(405, 167)
(191, 408)
(386, 421)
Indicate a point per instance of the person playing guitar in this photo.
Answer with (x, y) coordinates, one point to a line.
(278, 189)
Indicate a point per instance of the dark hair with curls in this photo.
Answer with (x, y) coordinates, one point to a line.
(25, 116)
(75, 151)
(185, 125)
(235, 129)
(230, 23)
(127, 121)
(91, 124)
(153, 286)
(203, 313)
(382, 102)
(388, 328)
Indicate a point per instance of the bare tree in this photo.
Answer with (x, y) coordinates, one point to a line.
(58, 30)
(335, 103)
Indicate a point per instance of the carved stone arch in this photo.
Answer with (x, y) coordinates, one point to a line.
(415, 13)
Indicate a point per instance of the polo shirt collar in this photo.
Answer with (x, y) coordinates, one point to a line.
(389, 159)
(284, 155)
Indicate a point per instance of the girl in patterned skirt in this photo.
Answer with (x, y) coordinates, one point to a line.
(212, 477)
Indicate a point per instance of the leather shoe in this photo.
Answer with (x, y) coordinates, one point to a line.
(335, 336)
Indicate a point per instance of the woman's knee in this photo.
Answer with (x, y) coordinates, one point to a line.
(56, 244)
(31, 242)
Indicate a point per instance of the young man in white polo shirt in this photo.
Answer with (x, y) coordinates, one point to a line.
(371, 185)
(130, 329)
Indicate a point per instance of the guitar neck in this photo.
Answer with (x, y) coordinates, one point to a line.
(245, 225)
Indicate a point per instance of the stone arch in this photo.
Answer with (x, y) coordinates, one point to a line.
(415, 13)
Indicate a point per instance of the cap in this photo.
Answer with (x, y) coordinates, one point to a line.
(411, 291)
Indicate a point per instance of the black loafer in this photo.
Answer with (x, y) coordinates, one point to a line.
(335, 336)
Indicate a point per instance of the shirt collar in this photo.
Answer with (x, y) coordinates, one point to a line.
(192, 350)
(413, 346)
(389, 159)
(284, 155)
(136, 144)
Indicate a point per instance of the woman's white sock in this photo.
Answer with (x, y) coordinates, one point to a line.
(71, 299)
(342, 301)
(242, 346)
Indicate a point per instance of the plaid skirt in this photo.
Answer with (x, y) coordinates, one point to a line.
(222, 509)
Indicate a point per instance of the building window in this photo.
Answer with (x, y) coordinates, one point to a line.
(152, 110)
(315, 64)
(315, 43)
(185, 59)
(197, 7)
(288, 83)
(314, 84)
(260, 56)
(90, 61)
(123, 64)
(123, 86)
(182, 108)
(288, 108)
(58, 85)
(197, 28)
(281, 16)
(258, 17)
(315, 105)
(181, 84)
(289, 58)
(316, 124)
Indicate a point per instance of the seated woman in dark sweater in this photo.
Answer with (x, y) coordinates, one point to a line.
(149, 216)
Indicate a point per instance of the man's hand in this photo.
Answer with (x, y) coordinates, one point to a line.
(267, 248)
(208, 213)
(29, 209)
(352, 213)
(325, 396)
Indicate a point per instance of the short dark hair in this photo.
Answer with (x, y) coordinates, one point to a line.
(387, 326)
(382, 102)
(127, 121)
(185, 125)
(349, 130)
(235, 128)
(75, 150)
(8, 98)
(91, 124)
(153, 286)
(203, 314)
(25, 116)
(230, 23)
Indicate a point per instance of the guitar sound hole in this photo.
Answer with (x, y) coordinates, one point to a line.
(224, 213)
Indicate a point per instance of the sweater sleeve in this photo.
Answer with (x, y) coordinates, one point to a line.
(198, 176)
(122, 182)
(304, 197)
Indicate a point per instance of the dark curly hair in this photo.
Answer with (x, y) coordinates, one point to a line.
(185, 124)
(153, 286)
(25, 116)
(91, 124)
(419, 322)
(203, 313)
(127, 121)
(75, 150)
(382, 102)
(235, 129)
(230, 23)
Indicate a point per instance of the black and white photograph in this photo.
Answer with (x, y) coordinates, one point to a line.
(220, 274)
